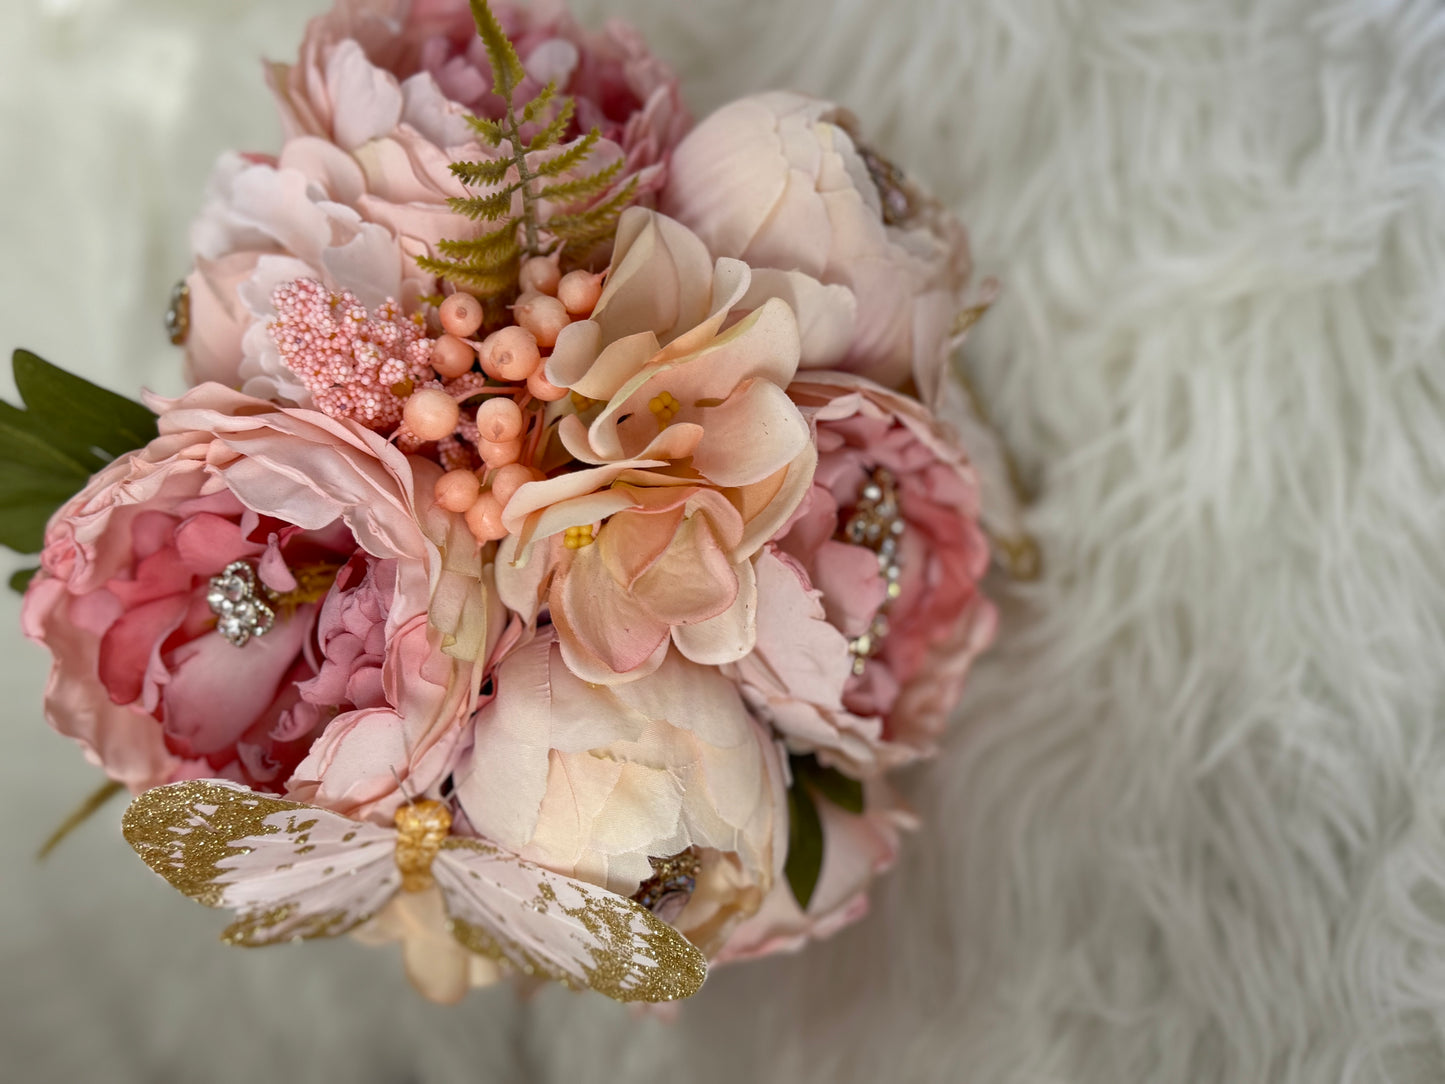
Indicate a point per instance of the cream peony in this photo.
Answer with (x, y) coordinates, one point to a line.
(590, 781)
(876, 270)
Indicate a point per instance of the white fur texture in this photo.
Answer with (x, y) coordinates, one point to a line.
(1193, 827)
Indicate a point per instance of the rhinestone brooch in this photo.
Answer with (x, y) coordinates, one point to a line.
(235, 597)
(877, 523)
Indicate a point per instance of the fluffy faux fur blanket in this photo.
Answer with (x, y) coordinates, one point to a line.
(1192, 826)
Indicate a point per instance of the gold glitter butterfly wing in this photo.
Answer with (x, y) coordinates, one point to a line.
(549, 926)
(289, 871)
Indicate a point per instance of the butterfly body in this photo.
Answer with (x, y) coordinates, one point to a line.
(296, 872)
(421, 828)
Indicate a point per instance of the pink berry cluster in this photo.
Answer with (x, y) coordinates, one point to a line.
(507, 428)
(380, 369)
(355, 364)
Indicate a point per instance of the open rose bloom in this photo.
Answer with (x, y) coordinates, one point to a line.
(651, 586)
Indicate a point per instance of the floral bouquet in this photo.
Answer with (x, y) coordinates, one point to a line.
(559, 543)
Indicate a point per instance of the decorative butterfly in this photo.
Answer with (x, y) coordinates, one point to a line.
(294, 872)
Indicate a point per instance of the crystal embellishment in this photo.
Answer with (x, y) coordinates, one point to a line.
(178, 314)
(235, 598)
(899, 206)
(667, 892)
(877, 523)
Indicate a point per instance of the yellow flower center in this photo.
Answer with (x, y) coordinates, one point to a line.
(578, 538)
(665, 408)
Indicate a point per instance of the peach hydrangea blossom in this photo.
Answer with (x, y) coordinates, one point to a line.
(691, 455)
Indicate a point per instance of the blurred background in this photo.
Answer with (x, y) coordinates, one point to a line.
(1191, 827)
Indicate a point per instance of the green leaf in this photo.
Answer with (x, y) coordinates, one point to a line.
(507, 69)
(843, 791)
(79, 415)
(805, 844)
(482, 174)
(20, 579)
(69, 429)
(23, 516)
(591, 185)
(571, 158)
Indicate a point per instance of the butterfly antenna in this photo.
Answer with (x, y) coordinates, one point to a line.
(405, 793)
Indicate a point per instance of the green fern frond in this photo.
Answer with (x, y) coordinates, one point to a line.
(551, 135)
(571, 158)
(488, 208)
(488, 284)
(481, 174)
(490, 132)
(534, 108)
(591, 225)
(592, 185)
(486, 246)
(488, 265)
(507, 70)
(484, 259)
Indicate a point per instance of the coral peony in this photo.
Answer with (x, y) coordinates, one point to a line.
(865, 636)
(594, 781)
(384, 620)
(876, 270)
(692, 455)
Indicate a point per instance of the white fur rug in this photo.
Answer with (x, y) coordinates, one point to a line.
(1194, 828)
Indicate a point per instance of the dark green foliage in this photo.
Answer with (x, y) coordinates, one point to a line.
(805, 829)
(805, 844)
(68, 430)
(843, 791)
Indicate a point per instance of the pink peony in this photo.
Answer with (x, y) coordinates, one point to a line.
(342, 697)
(591, 781)
(875, 269)
(865, 680)
(374, 117)
(692, 456)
